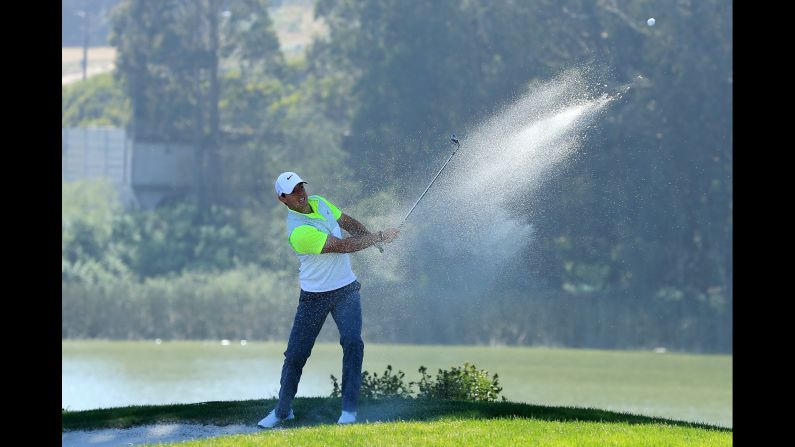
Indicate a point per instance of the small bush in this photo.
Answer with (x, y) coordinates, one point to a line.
(464, 383)
(388, 385)
(374, 387)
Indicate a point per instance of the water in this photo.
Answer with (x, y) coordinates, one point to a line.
(103, 374)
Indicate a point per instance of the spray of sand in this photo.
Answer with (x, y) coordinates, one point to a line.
(476, 211)
(474, 228)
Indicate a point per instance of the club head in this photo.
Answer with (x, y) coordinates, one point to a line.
(454, 140)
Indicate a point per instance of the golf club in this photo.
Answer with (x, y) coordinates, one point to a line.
(453, 140)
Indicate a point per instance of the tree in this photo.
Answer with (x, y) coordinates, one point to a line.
(169, 58)
(97, 101)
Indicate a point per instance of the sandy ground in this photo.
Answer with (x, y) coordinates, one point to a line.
(149, 434)
(100, 60)
(75, 54)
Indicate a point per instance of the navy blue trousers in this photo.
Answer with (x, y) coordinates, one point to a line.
(345, 307)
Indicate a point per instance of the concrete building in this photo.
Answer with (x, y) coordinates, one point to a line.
(144, 174)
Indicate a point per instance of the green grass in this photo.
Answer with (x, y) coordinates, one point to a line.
(414, 422)
(492, 432)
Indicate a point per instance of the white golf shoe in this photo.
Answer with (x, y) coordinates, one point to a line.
(271, 420)
(347, 417)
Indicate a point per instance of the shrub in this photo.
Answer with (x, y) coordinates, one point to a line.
(388, 385)
(464, 383)
(374, 387)
(247, 303)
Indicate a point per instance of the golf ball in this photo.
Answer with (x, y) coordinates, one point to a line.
(651, 21)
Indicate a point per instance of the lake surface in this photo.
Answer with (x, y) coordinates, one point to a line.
(104, 374)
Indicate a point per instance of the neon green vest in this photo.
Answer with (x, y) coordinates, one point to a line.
(319, 272)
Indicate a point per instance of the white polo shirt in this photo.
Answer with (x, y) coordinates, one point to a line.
(307, 233)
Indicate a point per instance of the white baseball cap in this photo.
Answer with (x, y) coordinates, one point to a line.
(286, 181)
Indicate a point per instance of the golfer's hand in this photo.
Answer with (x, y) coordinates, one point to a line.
(389, 235)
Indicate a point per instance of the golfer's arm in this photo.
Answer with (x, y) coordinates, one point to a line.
(352, 225)
(350, 244)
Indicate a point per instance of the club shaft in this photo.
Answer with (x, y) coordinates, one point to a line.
(429, 186)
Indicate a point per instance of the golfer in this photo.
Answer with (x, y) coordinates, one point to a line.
(328, 285)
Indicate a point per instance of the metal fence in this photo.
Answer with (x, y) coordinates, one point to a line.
(98, 153)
